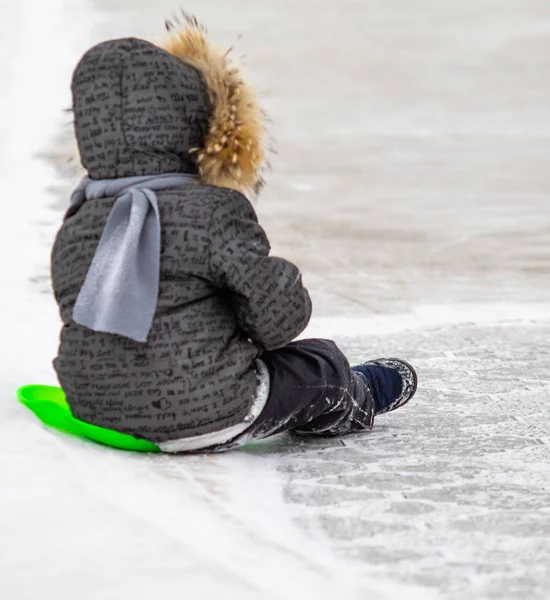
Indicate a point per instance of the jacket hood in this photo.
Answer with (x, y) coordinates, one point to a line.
(179, 106)
(138, 110)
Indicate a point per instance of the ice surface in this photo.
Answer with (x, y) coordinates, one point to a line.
(411, 186)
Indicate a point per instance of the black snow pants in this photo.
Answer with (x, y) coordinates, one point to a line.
(313, 391)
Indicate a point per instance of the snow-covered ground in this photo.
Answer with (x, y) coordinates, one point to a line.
(412, 187)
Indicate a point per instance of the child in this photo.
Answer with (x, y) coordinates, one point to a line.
(177, 322)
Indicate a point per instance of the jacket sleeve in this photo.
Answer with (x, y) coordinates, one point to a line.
(271, 304)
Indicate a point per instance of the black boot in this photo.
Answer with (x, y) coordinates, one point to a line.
(393, 382)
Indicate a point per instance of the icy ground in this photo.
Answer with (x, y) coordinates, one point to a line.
(412, 188)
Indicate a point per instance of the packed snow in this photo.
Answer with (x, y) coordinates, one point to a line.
(411, 187)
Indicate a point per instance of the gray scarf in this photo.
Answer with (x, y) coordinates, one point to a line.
(120, 292)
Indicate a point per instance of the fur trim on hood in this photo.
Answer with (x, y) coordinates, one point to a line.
(235, 149)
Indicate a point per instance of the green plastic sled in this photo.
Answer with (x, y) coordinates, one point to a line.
(49, 404)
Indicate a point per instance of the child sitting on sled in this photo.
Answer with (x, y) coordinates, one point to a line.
(177, 323)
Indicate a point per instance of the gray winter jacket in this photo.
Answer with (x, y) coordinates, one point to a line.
(222, 299)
